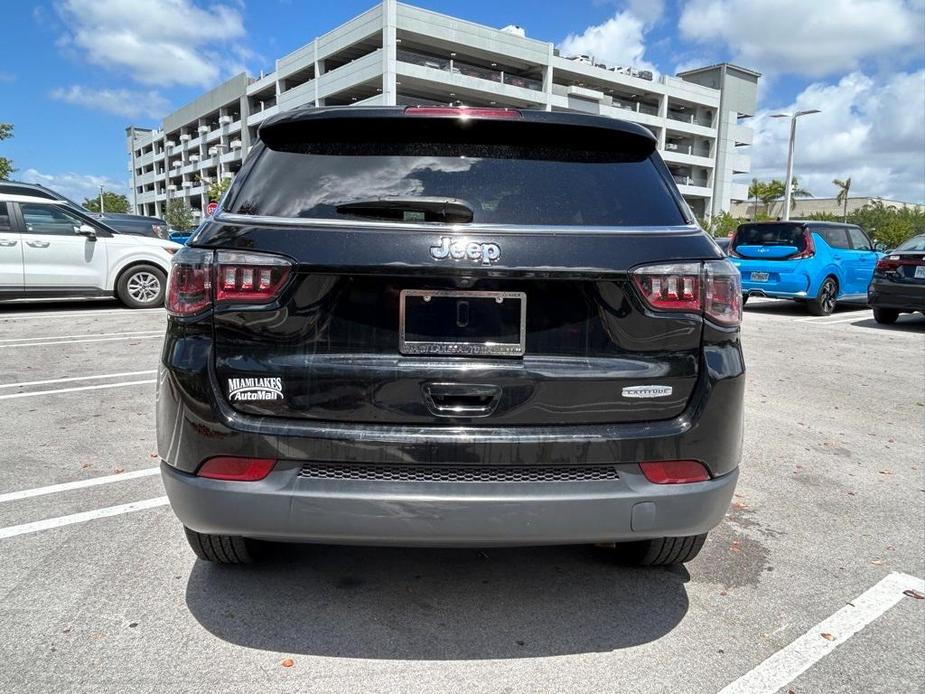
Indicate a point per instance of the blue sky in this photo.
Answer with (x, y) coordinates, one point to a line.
(74, 73)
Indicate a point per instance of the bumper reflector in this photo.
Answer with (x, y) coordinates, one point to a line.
(674, 471)
(236, 469)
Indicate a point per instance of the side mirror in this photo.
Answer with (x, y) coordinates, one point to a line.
(86, 230)
(880, 247)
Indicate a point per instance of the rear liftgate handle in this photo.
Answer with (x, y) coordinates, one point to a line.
(461, 399)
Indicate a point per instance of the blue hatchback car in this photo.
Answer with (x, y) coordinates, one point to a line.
(817, 263)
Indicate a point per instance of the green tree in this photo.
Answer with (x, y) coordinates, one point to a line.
(112, 202)
(842, 198)
(888, 225)
(179, 215)
(6, 165)
(720, 225)
(217, 189)
(755, 191)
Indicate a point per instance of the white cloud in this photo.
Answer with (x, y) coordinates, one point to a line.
(75, 186)
(648, 11)
(618, 41)
(160, 42)
(122, 102)
(807, 38)
(867, 129)
(515, 29)
(7, 76)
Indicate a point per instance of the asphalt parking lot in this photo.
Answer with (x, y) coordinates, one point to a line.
(99, 591)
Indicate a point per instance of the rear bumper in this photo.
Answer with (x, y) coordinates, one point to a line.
(285, 507)
(896, 296)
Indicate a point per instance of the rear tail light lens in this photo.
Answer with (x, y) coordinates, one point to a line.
(189, 286)
(249, 277)
(464, 112)
(675, 471)
(236, 469)
(195, 279)
(712, 289)
(888, 264)
(809, 246)
(673, 287)
(722, 293)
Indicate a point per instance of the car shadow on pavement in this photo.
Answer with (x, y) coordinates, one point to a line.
(906, 323)
(796, 309)
(436, 604)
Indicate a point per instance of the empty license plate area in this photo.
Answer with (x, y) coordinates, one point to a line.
(463, 323)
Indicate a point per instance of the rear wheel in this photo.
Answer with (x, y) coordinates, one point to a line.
(825, 300)
(886, 316)
(660, 551)
(142, 286)
(221, 549)
(744, 299)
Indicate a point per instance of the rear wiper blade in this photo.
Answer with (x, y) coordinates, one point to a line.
(411, 209)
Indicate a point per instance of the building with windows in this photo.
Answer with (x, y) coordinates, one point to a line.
(399, 54)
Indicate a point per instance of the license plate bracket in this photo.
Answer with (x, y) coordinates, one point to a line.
(462, 323)
(759, 277)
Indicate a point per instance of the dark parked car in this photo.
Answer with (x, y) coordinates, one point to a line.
(137, 225)
(451, 327)
(898, 284)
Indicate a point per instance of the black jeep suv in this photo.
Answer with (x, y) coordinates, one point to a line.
(451, 327)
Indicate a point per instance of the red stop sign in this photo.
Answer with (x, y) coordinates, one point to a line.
(211, 207)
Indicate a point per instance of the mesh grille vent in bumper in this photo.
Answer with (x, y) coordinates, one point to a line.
(459, 473)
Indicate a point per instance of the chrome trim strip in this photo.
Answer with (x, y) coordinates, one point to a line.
(379, 227)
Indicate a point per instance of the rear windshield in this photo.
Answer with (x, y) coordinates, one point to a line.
(770, 235)
(500, 184)
(916, 243)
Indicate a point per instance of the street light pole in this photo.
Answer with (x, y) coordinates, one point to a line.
(793, 136)
(102, 211)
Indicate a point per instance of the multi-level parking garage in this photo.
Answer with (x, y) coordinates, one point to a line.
(399, 54)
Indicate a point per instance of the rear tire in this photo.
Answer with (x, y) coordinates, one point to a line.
(661, 551)
(826, 299)
(220, 549)
(744, 299)
(885, 316)
(142, 286)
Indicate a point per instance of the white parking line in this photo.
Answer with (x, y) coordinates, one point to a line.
(76, 313)
(159, 334)
(101, 386)
(79, 484)
(14, 530)
(71, 337)
(796, 658)
(77, 378)
(833, 318)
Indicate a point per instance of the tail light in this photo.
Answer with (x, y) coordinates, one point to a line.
(236, 469)
(197, 279)
(464, 112)
(189, 285)
(674, 471)
(712, 289)
(249, 277)
(809, 246)
(889, 263)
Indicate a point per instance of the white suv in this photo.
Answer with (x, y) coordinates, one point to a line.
(51, 248)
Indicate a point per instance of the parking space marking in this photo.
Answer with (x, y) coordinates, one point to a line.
(100, 386)
(73, 337)
(48, 524)
(71, 379)
(159, 335)
(78, 313)
(79, 484)
(796, 658)
(833, 318)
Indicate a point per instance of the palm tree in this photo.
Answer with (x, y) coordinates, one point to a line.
(796, 191)
(755, 190)
(842, 197)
